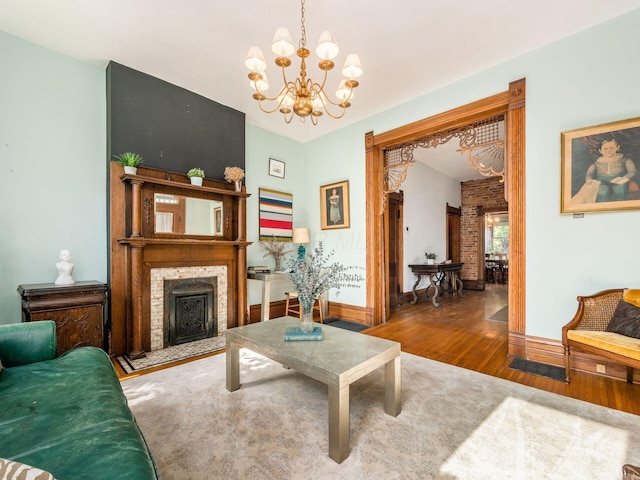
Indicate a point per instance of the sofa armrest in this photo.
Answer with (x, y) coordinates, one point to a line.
(28, 342)
(594, 312)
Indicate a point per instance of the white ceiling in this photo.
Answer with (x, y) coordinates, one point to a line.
(407, 47)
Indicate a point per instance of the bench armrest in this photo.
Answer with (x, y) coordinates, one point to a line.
(29, 342)
(594, 312)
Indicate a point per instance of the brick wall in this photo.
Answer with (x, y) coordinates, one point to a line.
(478, 197)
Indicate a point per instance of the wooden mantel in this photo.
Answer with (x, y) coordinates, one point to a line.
(136, 248)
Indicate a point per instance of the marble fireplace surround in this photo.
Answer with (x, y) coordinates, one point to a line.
(157, 278)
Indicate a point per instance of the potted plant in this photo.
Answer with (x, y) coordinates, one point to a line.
(130, 161)
(431, 258)
(196, 175)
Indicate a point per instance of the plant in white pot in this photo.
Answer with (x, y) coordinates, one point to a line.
(431, 258)
(129, 161)
(196, 175)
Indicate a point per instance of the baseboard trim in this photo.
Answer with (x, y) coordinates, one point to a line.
(551, 352)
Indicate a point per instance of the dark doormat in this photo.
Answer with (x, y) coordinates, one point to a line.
(540, 369)
(336, 322)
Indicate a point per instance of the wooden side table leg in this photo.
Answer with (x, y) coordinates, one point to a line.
(436, 290)
(415, 296)
(233, 366)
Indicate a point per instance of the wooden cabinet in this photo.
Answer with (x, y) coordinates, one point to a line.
(78, 311)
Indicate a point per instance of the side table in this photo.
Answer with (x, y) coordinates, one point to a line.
(77, 310)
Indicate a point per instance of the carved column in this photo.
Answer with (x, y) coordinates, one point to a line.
(241, 271)
(135, 342)
(135, 209)
(515, 187)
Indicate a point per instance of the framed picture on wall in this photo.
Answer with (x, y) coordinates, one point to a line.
(600, 167)
(275, 215)
(276, 168)
(334, 206)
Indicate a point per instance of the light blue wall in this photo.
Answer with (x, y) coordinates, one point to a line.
(587, 79)
(260, 146)
(53, 118)
(53, 177)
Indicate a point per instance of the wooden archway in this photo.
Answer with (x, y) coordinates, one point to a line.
(511, 103)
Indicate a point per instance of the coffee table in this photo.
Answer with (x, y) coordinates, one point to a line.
(338, 360)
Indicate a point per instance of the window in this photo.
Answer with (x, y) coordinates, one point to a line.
(497, 233)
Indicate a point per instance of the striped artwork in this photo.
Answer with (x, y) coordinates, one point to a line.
(276, 215)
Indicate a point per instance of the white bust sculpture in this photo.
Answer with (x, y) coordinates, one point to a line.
(65, 268)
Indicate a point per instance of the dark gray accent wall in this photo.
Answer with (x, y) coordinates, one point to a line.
(170, 127)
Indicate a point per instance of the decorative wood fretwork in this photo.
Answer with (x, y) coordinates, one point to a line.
(480, 141)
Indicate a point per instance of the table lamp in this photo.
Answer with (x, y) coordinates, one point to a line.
(301, 236)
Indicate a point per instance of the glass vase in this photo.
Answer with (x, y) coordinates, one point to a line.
(307, 321)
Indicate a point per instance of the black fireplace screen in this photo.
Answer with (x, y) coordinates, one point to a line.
(190, 310)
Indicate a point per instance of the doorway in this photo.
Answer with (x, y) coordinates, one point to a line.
(511, 103)
(396, 241)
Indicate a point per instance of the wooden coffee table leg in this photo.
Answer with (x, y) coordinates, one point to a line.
(393, 387)
(338, 423)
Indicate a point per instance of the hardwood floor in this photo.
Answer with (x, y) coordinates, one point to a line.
(460, 333)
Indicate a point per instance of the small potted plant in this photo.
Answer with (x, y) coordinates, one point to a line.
(235, 175)
(196, 175)
(431, 258)
(130, 161)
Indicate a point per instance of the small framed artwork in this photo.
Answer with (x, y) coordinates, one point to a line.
(276, 168)
(217, 221)
(334, 206)
(600, 168)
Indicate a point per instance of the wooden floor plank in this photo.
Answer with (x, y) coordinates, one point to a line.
(460, 333)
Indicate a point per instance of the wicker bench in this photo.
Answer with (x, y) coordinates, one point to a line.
(586, 331)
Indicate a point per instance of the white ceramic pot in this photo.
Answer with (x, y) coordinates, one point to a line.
(130, 170)
(431, 261)
(196, 181)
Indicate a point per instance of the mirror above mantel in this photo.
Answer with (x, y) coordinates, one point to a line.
(178, 214)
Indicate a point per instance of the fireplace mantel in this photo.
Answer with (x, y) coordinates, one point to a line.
(136, 248)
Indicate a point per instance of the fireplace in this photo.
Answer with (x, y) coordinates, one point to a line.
(192, 293)
(189, 310)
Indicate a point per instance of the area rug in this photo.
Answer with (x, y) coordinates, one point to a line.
(346, 325)
(540, 369)
(501, 315)
(455, 424)
(173, 354)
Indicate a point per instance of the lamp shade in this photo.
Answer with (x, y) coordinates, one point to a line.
(300, 235)
(282, 44)
(255, 60)
(327, 48)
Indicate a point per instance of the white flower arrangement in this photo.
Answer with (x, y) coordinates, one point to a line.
(233, 174)
(311, 278)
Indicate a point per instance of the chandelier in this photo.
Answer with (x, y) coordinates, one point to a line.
(303, 96)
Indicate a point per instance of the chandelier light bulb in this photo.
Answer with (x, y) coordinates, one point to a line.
(255, 60)
(343, 92)
(327, 48)
(260, 85)
(282, 44)
(352, 66)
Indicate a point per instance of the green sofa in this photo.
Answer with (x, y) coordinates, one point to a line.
(68, 415)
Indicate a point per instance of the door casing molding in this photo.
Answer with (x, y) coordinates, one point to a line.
(511, 103)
